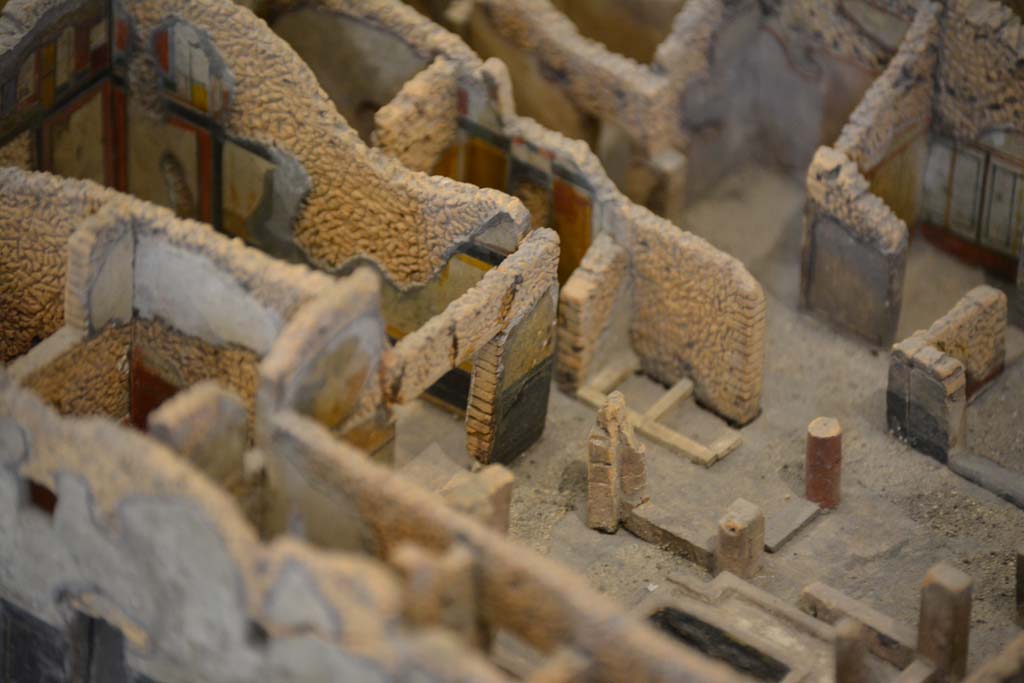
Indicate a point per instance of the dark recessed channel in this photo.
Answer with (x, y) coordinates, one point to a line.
(717, 644)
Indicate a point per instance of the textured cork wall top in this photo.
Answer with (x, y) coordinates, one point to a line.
(362, 202)
(899, 99)
(38, 212)
(981, 73)
(141, 539)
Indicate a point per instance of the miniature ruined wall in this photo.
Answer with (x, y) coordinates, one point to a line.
(485, 100)
(973, 332)
(853, 252)
(201, 306)
(634, 31)
(933, 372)
(926, 398)
(980, 83)
(714, 84)
(139, 539)
(318, 478)
(377, 63)
(162, 351)
(770, 82)
(327, 364)
(38, 214)
(586, 306)
(18, 152)
(515, 298)
(710, 327)
(157, 298)
(886, 135)
(360, 203)
(564, 80)
(730, 82)
(91, 377)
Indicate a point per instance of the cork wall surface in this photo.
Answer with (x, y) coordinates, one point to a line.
(38, 214)
(421, 123)
(183, 360)
(974, 332)
(899, 99)
(980, 77)
(362, 203)
(90, 378)
(322, 613)
(712, 327)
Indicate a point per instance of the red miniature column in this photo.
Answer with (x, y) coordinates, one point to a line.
(824, 463)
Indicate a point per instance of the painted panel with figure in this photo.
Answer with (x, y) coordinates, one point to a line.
(77, 141)
(170, 163)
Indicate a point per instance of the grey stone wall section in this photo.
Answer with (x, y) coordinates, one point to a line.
(926, 398)
(853, 253)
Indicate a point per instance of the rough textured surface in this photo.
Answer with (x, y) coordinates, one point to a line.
(141, 540)
(18, 152)
(724, 351)
(853, 251)
(421, 122)
(616, 472)
(362, 203)
(899, 99)
(974, 332)
(980, 84)
(688, 347)
(585, 306)
(183, 360)
(519, 590)
(91, 378)
(39, 212)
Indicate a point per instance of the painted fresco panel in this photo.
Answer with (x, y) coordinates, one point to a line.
(486, 164)
(52, 65)
(405, 312)
(572, 222)
(897, 180)
(448, 164)
(1002, 221)
(529, 178)
(246, 190)
(935, 192)
(193, 72)
(76, 141)
(965, 194)
(169, 163)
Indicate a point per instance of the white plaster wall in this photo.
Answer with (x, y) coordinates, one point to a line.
(189, 292)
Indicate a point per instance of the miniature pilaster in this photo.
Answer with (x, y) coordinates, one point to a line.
(740, 546)
(850, 652)
(943, 627)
